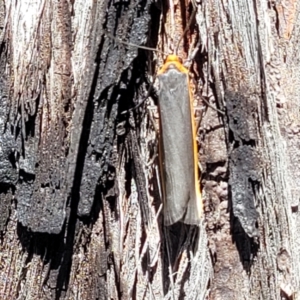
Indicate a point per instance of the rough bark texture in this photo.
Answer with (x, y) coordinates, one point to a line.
(81, 213)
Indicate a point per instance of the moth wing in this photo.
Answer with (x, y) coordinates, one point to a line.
(177, 149)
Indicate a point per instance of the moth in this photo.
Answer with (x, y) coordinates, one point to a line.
(177, 145)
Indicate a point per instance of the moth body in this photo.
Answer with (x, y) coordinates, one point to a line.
(178, 147)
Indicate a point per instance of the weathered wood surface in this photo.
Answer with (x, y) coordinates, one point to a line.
(80, 206)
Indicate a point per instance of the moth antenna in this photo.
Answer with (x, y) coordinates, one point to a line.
(172, 19)
(133, 45)
(187, 27)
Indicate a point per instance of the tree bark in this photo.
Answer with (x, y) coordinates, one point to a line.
(81, 211)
